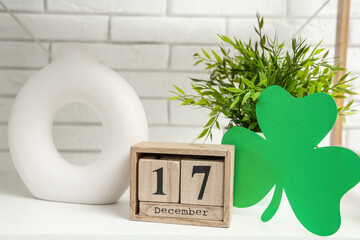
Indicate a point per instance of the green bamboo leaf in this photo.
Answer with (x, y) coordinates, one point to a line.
(211, 120)
(349, 113)
(217, 125)
(300, 95)
(223, 51)
(349, 104)
(312, 89)
(246, 97)
(262, 76)
(199, 61)
(256, 95)
(226, 39)
(253, 79)
(319, 51)
(205, 53)
(316, 71)
(247, 82)
(261, 23)
(326, 54)
(173, 98)
(246, 118)
(206, 93)
(293, 44)
(263, 40)
(339, 96)
(187, 102)
(319, 87)
(344, 77)
(203, 133)
(235, 102)
(196, 88)
(218, 59)
(235, 90)
(201, 101)
(253, 125)
(214, 111)
(351, 92)
(179, 89)
(263, 82)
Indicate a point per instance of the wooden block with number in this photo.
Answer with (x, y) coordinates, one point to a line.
(206, 172)
(159, 178)
(202, 181)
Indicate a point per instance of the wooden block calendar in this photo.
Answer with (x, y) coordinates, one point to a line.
(182, 183)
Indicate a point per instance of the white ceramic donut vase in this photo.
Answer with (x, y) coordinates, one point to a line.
(75, 76)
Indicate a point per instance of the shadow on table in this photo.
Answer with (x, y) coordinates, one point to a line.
(121, 209)
(11, 183)
(351, 198)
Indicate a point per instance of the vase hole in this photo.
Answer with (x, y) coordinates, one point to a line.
(78, 133)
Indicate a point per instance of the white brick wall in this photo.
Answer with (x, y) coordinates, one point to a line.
(22, 55)
(129, 56)
(11, 80)
(315, 31)
(136, 7)
(221, 8)
(55, 27)
(24, 5)
(150, 43)
(306, 8)
(170, 30)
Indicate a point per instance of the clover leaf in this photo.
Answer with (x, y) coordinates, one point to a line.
(313, 179)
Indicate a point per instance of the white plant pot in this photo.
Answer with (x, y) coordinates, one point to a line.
(75, 76)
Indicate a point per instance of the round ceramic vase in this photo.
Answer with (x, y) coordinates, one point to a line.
(75, 76)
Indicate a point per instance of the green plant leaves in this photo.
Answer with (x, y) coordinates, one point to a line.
(235, 90)
(319, 51)
(173, 98)
(205, 53)
(235, 102)
(211, 121)
(313, 179)
(201, 101)
(179, 90)
(246, 97)
(203, 133)
(248, 83)
(241, 70)
(256, 95)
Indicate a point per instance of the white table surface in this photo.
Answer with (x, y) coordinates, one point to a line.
(24, 217)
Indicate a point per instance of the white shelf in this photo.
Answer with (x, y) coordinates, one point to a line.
(24, 217)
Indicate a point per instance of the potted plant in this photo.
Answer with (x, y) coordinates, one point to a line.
(240, 73)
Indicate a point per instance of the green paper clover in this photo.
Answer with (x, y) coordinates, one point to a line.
(313, 179)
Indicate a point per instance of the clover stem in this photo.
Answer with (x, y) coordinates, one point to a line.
(274, 205)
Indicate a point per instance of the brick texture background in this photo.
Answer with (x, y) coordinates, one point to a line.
(150, 43)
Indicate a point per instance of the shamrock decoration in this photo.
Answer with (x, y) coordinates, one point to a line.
(313, 179)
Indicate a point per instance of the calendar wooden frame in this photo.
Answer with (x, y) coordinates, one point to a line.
(226, 152)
